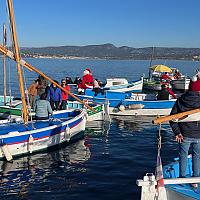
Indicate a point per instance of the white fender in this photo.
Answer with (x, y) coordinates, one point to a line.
(30, 144)
(6, 152)
(67, 134)
(106, 111)
(121, 108)
(136, 106)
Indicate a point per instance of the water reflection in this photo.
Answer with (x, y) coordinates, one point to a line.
(132, 123)
(97, 128)
(41, 170)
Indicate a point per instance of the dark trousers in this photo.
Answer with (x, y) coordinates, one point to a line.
(54, 105)
(98, 90)
(63, 105)
(41, 118)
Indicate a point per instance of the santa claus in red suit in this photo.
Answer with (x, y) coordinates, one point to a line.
(88, 80)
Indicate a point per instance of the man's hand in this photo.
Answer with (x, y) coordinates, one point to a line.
(179, 138)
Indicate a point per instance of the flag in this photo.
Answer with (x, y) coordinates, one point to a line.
(159, 172)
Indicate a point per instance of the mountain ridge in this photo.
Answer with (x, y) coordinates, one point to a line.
(110, 51)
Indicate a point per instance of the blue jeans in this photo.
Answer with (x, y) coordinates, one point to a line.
(183, 150)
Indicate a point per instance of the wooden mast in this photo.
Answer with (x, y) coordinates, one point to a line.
(175, 116)
(31, 68)
(17, 58)
(4, 63)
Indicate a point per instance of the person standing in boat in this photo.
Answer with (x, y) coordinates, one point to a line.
(88, 80)
(32, 93)
(42, 108)
(68, 80)
(188, 133)
(63, 105)
(54, 96)
(97, 89)
(177, 74)
(165, 77)
(43, 83)
(165, 92)
(77, 80)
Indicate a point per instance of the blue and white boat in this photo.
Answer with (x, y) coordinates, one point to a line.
(19, 138)
(122, 85)
(174, 188)
(122, 103)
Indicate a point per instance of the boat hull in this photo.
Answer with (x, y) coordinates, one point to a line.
(180, 84)
(140, 112)
(136, 104)
(134, 86)
(50, 135)
(91, 116)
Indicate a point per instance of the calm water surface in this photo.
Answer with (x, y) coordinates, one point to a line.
(105, 164)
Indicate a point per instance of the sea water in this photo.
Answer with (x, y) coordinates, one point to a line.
(105, 164)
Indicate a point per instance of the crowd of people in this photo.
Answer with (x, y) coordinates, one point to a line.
(45, 98)
(51, 97)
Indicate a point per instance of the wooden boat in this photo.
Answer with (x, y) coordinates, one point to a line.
(121, 103)
(18, 139)
(122, 85)
(154, 82)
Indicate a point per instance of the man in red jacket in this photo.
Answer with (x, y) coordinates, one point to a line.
(88, 80)
(63, 105)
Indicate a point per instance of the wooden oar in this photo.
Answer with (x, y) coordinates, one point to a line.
(175, 116)
(31, 68)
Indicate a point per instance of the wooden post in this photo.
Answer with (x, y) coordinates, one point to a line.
(17, 58)
(4, 63)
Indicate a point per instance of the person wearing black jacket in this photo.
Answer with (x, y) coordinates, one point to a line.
(188, 133)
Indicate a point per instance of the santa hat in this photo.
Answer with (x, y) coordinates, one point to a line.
(86, 72)
(194, 85)
(196, 77)
(88, 69)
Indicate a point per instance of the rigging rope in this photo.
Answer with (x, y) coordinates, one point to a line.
(159, 138)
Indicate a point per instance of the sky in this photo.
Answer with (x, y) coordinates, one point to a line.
(134, 23)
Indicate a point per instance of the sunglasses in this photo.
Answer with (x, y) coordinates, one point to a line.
(63, 82)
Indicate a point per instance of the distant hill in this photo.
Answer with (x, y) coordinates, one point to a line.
(109, 51)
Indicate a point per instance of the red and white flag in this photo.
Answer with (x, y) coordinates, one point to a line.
(160, 189)
(159, 172)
